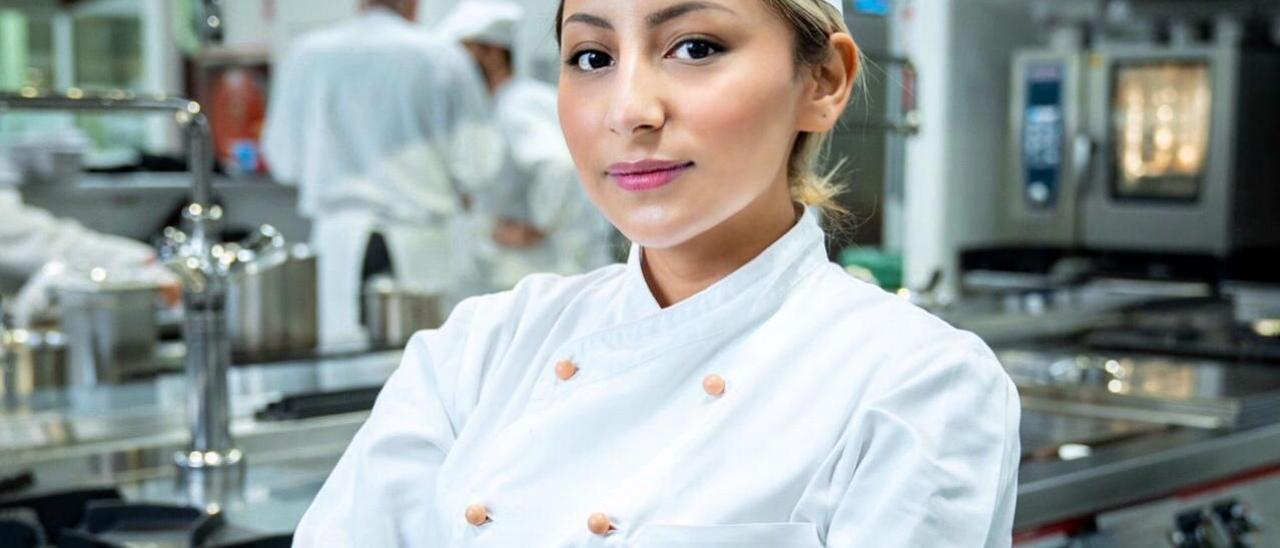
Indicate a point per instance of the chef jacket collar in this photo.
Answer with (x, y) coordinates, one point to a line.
(792, 255)
(644, 332)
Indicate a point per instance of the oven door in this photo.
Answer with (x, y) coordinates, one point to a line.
(1162, 120)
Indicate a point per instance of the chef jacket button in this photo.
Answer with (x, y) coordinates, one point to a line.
(713, 384)
(477, 515)
(599, 524)
(566, 370)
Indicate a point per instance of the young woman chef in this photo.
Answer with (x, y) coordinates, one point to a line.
(728, 386)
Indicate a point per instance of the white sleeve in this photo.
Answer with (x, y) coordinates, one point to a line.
(281, 136)
(475, 149)
(382, 491)
(556, 199)
(31, 237)
(934, 461)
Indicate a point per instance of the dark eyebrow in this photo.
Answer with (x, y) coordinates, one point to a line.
(655, 19)
(665, 15)
(588, 20)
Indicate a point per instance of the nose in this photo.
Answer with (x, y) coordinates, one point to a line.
(637, 107)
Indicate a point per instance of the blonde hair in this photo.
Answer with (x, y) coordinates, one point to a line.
(813, 23)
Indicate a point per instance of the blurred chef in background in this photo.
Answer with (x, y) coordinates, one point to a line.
(385, 128)
(36, 250)
(536, 215)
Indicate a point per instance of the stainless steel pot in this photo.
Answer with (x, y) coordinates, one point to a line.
(31, 361)
(393, 313)
(255, 305)
(302, 323)
(271, 301)
(111, 331)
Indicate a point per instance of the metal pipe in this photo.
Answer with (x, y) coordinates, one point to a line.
(187, 113)
(75, 99)
(204, 284)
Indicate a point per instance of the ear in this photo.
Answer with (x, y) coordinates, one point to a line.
(831, 87)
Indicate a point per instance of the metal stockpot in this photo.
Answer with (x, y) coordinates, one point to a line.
(301, 323)
(111, 331)
(31, 361)
(393, 314)
(271, 302)
(255, 305)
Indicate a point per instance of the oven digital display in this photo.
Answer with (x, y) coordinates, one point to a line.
(1042, 134)
(1160, 129)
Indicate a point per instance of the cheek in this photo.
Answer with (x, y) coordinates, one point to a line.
(580, 115)
(736, 123)
(743, 121)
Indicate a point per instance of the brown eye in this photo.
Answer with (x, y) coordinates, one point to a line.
(590, 60)
(694, 50)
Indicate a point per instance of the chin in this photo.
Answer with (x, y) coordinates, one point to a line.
(657, 227)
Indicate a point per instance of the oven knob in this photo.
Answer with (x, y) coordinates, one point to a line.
(1238, 520)
(1191, 530)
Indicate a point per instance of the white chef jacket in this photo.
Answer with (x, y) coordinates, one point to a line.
(539, 186)
(384, 126)
(849, 418)
(378, 114)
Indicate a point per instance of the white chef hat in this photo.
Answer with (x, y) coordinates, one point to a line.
(484, 21)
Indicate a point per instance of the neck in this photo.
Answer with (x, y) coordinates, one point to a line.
(497, 78)
(677, 273)
(404, 13)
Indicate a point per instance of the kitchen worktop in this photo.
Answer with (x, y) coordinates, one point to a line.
(126, 435)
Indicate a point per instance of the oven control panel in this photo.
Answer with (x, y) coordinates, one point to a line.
(1043, 132)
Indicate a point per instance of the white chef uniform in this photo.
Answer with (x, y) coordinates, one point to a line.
(539, 186)
(787, 405)
(384, 126)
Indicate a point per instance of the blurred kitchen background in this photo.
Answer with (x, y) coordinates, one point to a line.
(1092, 186)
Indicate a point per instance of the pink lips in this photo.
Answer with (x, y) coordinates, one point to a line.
(647, 174)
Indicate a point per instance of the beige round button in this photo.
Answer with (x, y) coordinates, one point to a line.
(599, 524)
(713, 384)
(477, 514)
(566, 370)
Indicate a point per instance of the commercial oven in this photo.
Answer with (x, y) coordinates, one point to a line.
(1145, 147)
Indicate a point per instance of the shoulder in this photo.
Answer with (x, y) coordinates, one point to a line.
(481, 330)
(897, 341)
(538, 300)
(321, 40)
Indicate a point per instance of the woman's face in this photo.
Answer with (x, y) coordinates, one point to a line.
(679, 115)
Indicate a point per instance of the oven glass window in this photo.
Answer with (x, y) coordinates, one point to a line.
(1161, 129)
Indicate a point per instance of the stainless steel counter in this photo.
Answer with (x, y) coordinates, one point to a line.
(1144, 427)
(125, 436)
(1142, 468)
